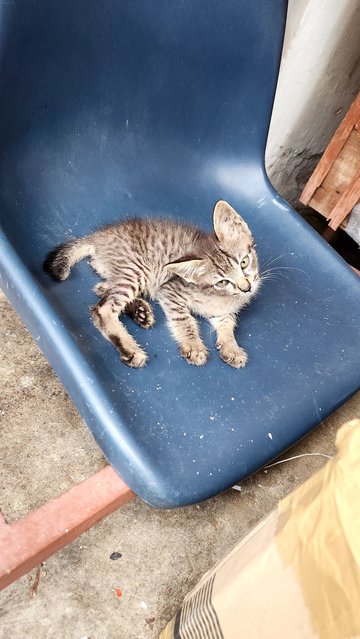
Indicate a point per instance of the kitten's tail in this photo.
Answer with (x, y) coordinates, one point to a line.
(61, 259)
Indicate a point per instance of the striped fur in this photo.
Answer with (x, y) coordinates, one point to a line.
(187, 271)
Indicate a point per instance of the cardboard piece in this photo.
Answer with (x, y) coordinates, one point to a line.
(297, 573)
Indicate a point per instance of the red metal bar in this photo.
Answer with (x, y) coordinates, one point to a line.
(29, 541)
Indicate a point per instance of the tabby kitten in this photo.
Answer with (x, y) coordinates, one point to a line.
(186, 270)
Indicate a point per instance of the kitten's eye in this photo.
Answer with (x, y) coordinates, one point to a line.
(244, 262)
(222, 283)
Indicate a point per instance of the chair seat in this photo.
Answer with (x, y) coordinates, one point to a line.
(114, 109)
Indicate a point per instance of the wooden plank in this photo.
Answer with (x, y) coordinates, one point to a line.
(339, 177)
(32, 539)
(332, 151)
(349, 198)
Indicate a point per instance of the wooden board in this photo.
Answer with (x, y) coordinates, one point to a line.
(334, 187)
(341, 174)
(332, 151)
(348, 200)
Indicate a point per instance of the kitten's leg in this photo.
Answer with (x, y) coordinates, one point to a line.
(101, 288)
(230, 351)
(183, 326)
(105, 315)
(141, 312)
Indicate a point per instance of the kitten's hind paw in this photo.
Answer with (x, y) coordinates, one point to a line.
(196, 356)
(141, 312)
(235, 356)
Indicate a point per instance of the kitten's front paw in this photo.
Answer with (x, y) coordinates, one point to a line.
(194, 355)
(234, 356)
(137, 359)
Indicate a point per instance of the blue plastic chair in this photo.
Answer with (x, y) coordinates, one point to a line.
(140, 108)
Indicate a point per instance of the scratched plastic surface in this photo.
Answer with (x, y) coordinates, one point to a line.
(121, 108)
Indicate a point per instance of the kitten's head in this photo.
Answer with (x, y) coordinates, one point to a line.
(228, 262)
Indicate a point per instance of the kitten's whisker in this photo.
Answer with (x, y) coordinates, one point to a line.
(271, 260)
(285, 268)
(291, 268)
(271, 272)
(270, 278)
(266, 263)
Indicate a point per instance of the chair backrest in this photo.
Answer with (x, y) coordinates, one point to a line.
(116, 105)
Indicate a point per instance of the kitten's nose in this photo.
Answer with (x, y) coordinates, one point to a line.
(246, 288)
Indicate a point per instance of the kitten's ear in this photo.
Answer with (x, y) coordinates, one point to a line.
(187, 269)
(229, 226)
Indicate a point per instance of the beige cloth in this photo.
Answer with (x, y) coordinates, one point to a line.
(297, 574)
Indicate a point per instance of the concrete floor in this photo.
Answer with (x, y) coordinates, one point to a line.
(45, 449)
